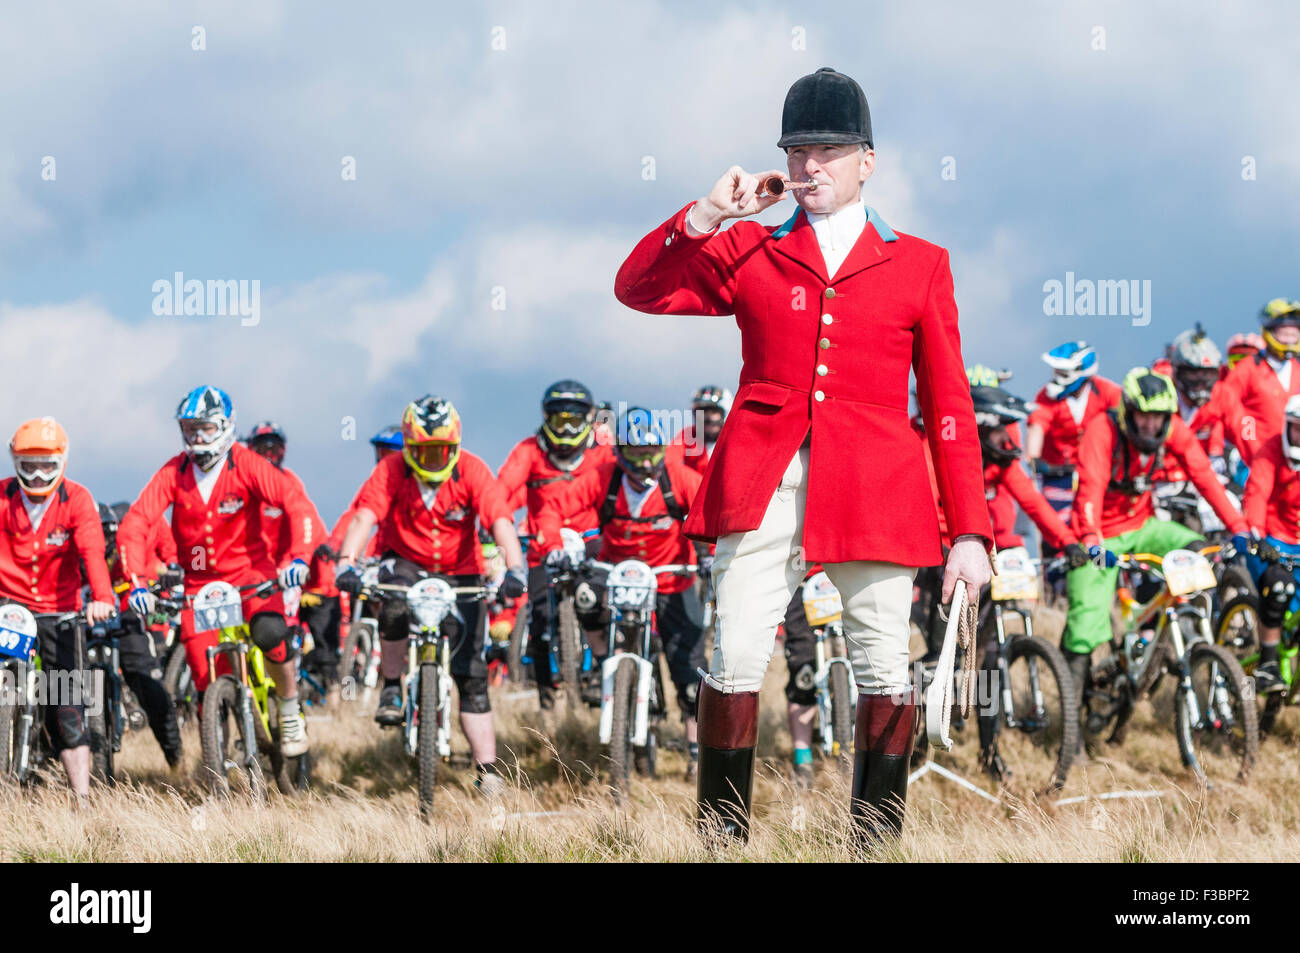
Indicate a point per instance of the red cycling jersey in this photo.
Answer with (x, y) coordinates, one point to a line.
(441, 538)
(688, 449)
(221, 537)
(528, 478)
(1253, 403)
(1061, 434)
(41, 568)
(653, 536)
(1107, 502)
(161, 548)
(1272, 500)
(276, 534)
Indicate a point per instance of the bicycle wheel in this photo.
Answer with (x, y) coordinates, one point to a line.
(621, 726)
(292, 775)
(1238, 630)
(570, 649)
(1225, 737)
(842, 716)
(180, 687)
(515, 654)
(353, 658)
(102, 728)
(227, 746)
(1046, 714)
(427, 737)
(8, 722)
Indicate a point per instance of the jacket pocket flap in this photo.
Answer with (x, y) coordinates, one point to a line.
(763, 392)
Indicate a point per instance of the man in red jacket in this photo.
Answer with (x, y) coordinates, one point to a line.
(52, 540)
(1256, 390)
(216, 489)
(427, 501)
(1119, 455)
(538, 470)
(817, 461)
(642, 497)
(1196, 363)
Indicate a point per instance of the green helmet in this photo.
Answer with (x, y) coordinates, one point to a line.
(1145, 391)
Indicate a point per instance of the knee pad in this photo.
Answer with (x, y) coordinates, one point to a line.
(71, 723)
(473, 692)
(269, 631)
(688, 697)
(800, 689)
(1276, 590)
(393, 626)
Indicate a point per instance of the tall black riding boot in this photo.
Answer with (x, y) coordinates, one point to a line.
(728, 732)
(882, 745)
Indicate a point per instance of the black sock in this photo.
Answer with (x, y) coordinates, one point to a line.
(392, 683)
(1267, 654)
(487, 768)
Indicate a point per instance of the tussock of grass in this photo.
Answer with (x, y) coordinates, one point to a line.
(558, 808)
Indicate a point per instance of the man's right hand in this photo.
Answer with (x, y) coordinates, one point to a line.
(1267, 551)
(735, 195)
(141, 600)
(347, 579)
(557, 560)
(1076, 556)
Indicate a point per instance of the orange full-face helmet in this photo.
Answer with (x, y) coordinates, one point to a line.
(40, 452)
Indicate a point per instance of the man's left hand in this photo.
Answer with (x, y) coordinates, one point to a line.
(97, 612)
(968, 561)
(294, 574)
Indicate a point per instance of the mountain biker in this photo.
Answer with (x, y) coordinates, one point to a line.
(1256, 390)
(1064, 407)
(52, 540)
(427, 500)
(318, 604)
(1196, 364)
(641, 497)
(141, 666)
(693, 445)
(1242, 345)
(1272, 505)
(387, 441)
(216, 489)
(538, 469)
(1113, 513)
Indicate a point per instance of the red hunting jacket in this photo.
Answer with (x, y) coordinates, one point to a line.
(222, 537)
(41, 569)
(830, 356)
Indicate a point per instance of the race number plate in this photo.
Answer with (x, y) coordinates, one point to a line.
(1016, 576)
(629, 597)
(16, 644)
(821, 601)
(217, 606)
(1187, 572)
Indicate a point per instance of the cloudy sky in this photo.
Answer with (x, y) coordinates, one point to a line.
(510, 155)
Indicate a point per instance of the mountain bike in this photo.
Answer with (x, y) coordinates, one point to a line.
(1237, 630)
(1031, 718)
(427, 683)
(835, 688)
(107, 721)
(566, 642)
(240, 721)
(632, 692)
(177, 677)
(1215, 719)
(22, 736)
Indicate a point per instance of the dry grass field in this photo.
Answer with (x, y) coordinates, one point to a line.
(363, 805)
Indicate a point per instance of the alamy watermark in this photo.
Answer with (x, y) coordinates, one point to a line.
(179, 296)
(683, 425)
(1124, 297)
(76, 687)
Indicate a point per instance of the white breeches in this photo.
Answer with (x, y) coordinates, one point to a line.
(756, 574)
